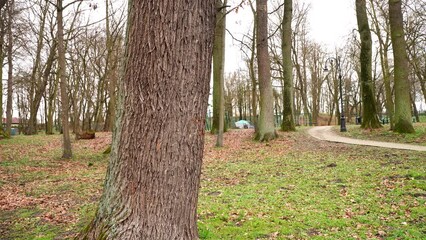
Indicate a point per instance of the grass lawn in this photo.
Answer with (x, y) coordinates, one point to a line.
(384, 134)
(293, 188)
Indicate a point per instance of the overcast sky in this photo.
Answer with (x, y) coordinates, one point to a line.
(330, 23)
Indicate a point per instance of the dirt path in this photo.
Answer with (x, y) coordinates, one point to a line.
(326, 133)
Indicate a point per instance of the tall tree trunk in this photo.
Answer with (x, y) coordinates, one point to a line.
(151, 187)
(403, 122)
(218, 73)
(110, 72)
(252, 70)
(266, 129)
(2, 55)
(370, 117)
(288, 114)
(66, 150)
(10, 68)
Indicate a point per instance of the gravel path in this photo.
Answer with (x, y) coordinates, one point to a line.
(327, 134)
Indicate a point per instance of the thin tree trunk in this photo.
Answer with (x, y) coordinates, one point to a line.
(266, 129)
(252, 71)
(370, 118)
(152, 183)
(36, 93)
(218, 73)
(288, 114)
(10, 69)
(67, 152)
(2, 55)
(403, 122)
(53, 89)
(110, 73)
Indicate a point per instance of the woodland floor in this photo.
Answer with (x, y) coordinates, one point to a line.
(295, 187)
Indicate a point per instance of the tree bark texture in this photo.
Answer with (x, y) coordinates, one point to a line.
(288, 114)
(403, 122)
(152, 182)
(218, 73)
(66, 140)
(266, 129)
(370, 117)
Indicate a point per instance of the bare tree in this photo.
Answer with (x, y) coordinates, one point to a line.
(370, 118)
(402, 87)
(10, 9)
(266, 129)
(218, 72)
(288, 113)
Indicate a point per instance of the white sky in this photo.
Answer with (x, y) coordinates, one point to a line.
(330, 21)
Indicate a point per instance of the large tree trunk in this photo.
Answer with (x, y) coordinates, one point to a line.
(266, 129)
(370, 117)
(403, 122)
(218, 73)
(288, 114)
(10, 68)
(66, 149)
(151, 187)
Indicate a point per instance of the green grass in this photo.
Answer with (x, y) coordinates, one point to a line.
(384, 134)
(311, 195)
(292, 188)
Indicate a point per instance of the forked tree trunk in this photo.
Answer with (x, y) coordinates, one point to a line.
(151, 187)
(403, 122)
(66, 148)
(288, 114)
(266, 129)
(369, 109)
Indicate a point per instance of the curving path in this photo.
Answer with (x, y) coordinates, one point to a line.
(327, 134)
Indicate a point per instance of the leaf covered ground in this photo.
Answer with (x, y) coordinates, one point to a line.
(292, 188)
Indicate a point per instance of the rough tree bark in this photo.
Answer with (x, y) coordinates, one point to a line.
(266, 129)
(288, 114)
(66, 149)
(403, 122)
(152, 182)
(370, 118)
